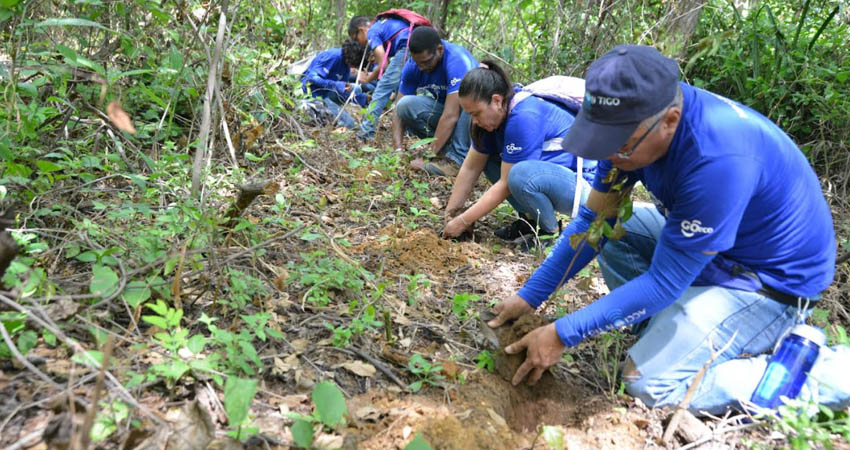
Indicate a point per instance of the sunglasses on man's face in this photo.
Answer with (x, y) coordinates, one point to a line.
(627, 154)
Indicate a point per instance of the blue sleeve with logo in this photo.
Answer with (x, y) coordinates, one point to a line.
(707, 212)
(458, 62)
(671, 272)
(523, 135)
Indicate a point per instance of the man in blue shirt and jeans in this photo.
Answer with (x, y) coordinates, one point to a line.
(327, 78)
(428, 104)
(387, 39)
(739, 244)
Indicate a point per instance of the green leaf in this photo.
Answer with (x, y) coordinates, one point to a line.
(418, 443)
(115, 77)
(9, 3)
(47, 166)
(330, 404)
(302, 433)
(103, 282)
(136, 293)
(87, 256)
(196, 343)
(156, 321)
(416, 386)
(26, 341)
(309, 237)
(421, 143)
(28, 89)
(91, 358)
(238, 394)
(73, 22)
(553, 436)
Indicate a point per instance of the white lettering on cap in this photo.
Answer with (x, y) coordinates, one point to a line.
(605, 101)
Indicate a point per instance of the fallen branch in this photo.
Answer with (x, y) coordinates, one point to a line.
(357, 352)
(247, 194)
(84, 438)
(122, 391)
(23, 360)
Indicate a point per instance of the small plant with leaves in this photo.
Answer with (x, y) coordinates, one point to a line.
(809, 425)
(415, 285)
(238, 395)
(461, 304)
(322, 275)
(610, 348)
(484, 360)
(425, 371)
(172, 339)
(330, 410)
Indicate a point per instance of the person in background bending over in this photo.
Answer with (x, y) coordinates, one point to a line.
(327, 78)
(428, 104)
(516, 142)
(387, 39)
(741, 241)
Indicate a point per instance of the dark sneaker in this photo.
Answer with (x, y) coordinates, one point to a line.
(543, 239)
(517, 229)
(440, 169)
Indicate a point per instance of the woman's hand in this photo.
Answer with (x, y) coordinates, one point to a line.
(455, 227)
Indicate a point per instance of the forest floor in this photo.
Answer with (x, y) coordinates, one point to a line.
(367, 223)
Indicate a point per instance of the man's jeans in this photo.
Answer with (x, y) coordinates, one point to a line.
(334, 105)
(678, 341)
(540, 188)
(420, 115)
(387, 84)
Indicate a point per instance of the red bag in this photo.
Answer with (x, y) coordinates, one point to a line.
(414, 19)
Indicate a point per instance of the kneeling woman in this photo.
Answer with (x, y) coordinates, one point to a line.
(518, 147)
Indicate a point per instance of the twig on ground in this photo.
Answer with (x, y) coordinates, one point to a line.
(84, 438)
(297, 156)
(23, 360)
(353, 351)
(27, 441)
(716, 434)
(82, 351)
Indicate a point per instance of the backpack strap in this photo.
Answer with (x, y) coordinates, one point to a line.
(579, 186)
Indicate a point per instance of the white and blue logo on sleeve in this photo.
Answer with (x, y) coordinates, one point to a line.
(512, 148)
(692, 227)
(455, 81)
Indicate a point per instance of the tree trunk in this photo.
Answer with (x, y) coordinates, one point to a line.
(341, 31)
(682, 18)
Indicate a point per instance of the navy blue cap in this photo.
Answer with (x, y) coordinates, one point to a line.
(622, 88)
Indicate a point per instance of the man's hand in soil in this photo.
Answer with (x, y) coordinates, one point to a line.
(543, 350)
(509, 309)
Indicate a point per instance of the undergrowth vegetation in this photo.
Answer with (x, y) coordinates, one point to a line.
(138, 238)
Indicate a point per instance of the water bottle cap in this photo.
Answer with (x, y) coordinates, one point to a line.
(811, 333)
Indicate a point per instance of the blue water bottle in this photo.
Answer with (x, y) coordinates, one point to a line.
(787, 370)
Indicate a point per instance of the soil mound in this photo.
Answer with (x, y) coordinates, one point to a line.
(410, 251)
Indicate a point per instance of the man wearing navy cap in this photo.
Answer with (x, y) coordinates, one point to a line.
(740, 240)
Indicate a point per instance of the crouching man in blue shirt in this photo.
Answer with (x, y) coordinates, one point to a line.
(429, 105)
(740, 241)
(327, 78)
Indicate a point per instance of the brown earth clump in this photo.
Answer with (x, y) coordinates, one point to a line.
(411, 251)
